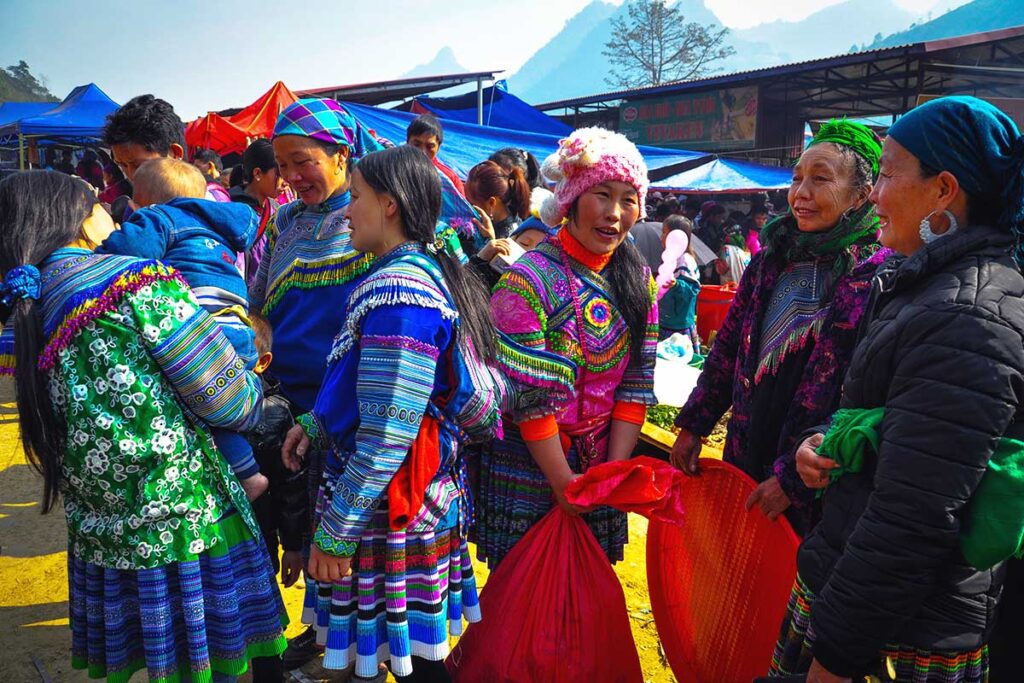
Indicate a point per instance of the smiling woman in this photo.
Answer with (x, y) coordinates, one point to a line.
(779, 357)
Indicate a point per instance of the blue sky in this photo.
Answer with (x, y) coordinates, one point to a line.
(205, 55)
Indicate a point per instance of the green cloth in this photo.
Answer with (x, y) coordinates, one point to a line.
(992, 527)
(856, 228)
(858, 137)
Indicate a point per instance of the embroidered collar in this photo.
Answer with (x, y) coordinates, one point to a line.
(330, 204)
(577, 252)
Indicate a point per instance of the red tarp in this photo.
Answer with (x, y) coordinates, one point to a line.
(232, 134)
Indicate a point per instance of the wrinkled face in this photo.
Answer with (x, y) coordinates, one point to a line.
(528, 239)
(130, 155)
(822, 188)
(902, 198)
(604, 214)
(426, 143)
(314, 175)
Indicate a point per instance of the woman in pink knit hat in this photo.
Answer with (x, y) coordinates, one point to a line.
(585, 294)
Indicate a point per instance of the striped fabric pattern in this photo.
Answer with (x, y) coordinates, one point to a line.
(211, 380)
(187, 619)
(900, 663)
(406, 594)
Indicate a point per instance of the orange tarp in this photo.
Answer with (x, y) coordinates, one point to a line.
(232, 134)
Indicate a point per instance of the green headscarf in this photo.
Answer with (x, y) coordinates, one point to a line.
(856, 136)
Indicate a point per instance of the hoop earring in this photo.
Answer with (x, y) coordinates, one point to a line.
(928, 235)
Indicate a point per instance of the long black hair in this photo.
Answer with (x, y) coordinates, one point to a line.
(407, 175)
(40, 211)
(630, 290)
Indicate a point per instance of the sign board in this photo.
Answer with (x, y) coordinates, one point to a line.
(1011, 106)
(718, 121)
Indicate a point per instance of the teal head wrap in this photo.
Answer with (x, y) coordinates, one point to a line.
(856, 136)
(978, 144)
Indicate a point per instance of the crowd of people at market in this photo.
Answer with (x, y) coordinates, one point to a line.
(312, 365)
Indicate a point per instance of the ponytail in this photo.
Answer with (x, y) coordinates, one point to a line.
(40, 211)
(470, 296)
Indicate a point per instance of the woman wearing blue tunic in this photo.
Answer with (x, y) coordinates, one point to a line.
(403, 391)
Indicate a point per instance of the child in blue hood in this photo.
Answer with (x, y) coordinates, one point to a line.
(201, 239)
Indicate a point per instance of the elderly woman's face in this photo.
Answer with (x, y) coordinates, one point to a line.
(903, 198)
(314, 175)
(822, 188)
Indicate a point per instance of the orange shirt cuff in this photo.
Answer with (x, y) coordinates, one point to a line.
(633, 413)
(539, 428)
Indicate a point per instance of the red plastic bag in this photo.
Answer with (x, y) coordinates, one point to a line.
(553, 611)
(647, 486)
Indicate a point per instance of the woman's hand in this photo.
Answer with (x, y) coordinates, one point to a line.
(494, 248)
(327, 568)
(483, 224)
(291, 567)
(567, 507)
(294, 448)
(818, 674)
(813, 468)
(772, 500)
(686, 452)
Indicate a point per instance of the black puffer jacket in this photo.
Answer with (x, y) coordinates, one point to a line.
(942, 349)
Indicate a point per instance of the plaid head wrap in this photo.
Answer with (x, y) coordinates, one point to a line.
(327, 121)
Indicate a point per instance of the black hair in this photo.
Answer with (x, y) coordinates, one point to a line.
(629, 276)
(693, 204)
(237, 177)
(260, 154)
(662, 211)
(208, 156)
(40, 211)
(425, 124)
(508, 157)
(411, 179)
(148, 121)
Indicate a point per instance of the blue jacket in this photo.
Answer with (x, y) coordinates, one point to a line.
(198, 237)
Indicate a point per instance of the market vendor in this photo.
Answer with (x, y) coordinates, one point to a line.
(778, 359)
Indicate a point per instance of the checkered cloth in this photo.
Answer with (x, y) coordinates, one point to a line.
(327, 121)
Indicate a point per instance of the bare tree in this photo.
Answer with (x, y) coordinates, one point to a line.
(655, 45)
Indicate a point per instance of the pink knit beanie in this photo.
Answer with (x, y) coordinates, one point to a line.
(587, 157)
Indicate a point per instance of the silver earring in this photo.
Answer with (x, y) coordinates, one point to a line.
(928, 235)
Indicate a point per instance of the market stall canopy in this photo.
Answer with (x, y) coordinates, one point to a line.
(501, 109)
(727, 175)
(80, 117)
(11, 112)
(467, 144)
(232, 134)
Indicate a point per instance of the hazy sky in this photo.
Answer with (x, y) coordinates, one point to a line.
(206, 55)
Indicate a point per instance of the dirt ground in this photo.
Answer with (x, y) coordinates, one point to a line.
(34, 634)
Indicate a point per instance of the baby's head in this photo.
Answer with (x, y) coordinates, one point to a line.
(264, 341)
(158, 181)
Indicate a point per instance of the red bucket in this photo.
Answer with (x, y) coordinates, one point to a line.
(712, 306)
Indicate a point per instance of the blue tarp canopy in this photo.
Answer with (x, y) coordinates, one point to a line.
(727, 175)
(81, 115)
(15, 111)
(501, 109)
(467, 144)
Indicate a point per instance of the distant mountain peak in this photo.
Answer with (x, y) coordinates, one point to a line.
(444, 62)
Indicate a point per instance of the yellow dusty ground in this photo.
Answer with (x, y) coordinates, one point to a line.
(33, 585)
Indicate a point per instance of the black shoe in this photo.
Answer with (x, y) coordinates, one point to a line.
(301, 649)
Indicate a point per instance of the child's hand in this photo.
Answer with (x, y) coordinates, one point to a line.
(293, 450)
(328, 568)
(291, 567)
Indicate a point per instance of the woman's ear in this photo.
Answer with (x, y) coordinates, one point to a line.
(948, 190)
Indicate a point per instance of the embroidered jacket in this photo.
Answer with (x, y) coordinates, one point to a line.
(533, 304)
(394, 361)
(132, 362)
(734, 364)
(301, 287)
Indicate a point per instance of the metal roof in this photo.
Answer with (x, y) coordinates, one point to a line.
(380, 92)
(858, 70)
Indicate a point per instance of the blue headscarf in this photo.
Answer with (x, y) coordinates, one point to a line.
(978, 144)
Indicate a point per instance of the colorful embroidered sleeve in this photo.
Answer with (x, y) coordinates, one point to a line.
(637, 385)
(713, 394)
(398, 350)
(7, 350)
(195, 356)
